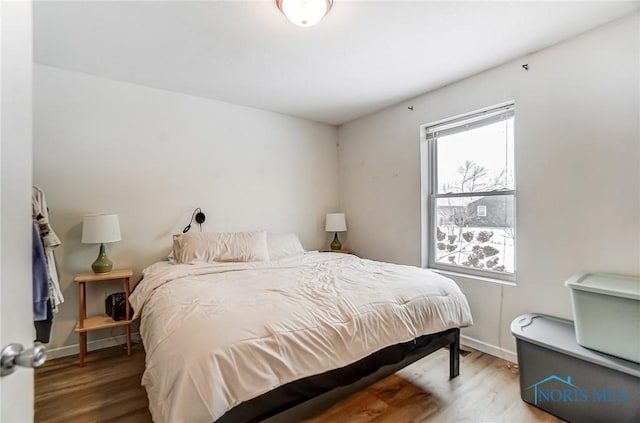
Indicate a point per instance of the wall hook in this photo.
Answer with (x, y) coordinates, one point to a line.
(410, 108)
(526, 66)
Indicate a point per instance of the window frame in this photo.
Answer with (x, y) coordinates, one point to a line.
(429, 167)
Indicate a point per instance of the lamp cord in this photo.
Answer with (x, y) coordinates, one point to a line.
(186, 228)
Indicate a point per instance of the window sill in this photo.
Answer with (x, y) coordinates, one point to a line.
(473, 277)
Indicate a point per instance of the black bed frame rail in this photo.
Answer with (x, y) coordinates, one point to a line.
(397, 356)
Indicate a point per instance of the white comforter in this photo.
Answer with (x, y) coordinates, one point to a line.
(217, 335)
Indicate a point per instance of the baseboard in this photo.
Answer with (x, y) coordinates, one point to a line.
(98, 344)
(489, 349)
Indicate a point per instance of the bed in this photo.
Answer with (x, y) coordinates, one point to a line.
(244, 338)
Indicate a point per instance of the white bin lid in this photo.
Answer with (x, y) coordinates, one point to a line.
(607, 284)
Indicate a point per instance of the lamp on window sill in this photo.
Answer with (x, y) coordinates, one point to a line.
(304, 12)
(336, 222)
(101, 229)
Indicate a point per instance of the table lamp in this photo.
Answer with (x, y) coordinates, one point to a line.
(100, 229)
(336, 223)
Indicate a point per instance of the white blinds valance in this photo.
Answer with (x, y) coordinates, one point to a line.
(472, 121)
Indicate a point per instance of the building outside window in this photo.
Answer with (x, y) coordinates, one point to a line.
(469, 210)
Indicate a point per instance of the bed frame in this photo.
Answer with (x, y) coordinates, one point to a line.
(383, 362)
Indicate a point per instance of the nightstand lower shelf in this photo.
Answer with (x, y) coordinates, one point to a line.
(101, 321)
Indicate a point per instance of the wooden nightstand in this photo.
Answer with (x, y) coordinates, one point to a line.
(103, 321)
(337, 251)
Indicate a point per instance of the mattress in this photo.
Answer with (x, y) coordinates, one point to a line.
(217, 335)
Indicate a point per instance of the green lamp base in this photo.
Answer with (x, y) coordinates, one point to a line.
(336, 245)
(102, 263)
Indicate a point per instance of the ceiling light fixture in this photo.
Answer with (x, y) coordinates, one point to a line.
(304, 12)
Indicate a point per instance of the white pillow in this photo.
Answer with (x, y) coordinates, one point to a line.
(283, 245)
(210, 247)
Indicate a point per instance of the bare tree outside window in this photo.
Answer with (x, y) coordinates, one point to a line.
(462, 237)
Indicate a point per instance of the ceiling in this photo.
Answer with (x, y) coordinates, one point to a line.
(364, 56)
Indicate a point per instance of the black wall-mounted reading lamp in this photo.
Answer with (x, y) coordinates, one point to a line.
(199, 218)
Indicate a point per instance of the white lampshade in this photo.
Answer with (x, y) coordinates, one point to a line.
(100, 228)
(304, 12)
(336, 222)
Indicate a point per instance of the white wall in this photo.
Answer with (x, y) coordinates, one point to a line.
(152, 156)
(577, 164)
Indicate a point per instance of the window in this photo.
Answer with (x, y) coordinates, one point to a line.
(469, 186)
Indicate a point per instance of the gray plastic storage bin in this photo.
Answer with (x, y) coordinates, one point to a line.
(570, 381)
(605, 307)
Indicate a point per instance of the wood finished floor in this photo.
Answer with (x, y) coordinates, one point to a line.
(108, 389)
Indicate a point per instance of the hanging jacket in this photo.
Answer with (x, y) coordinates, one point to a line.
(50, 240)
(40, 278)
